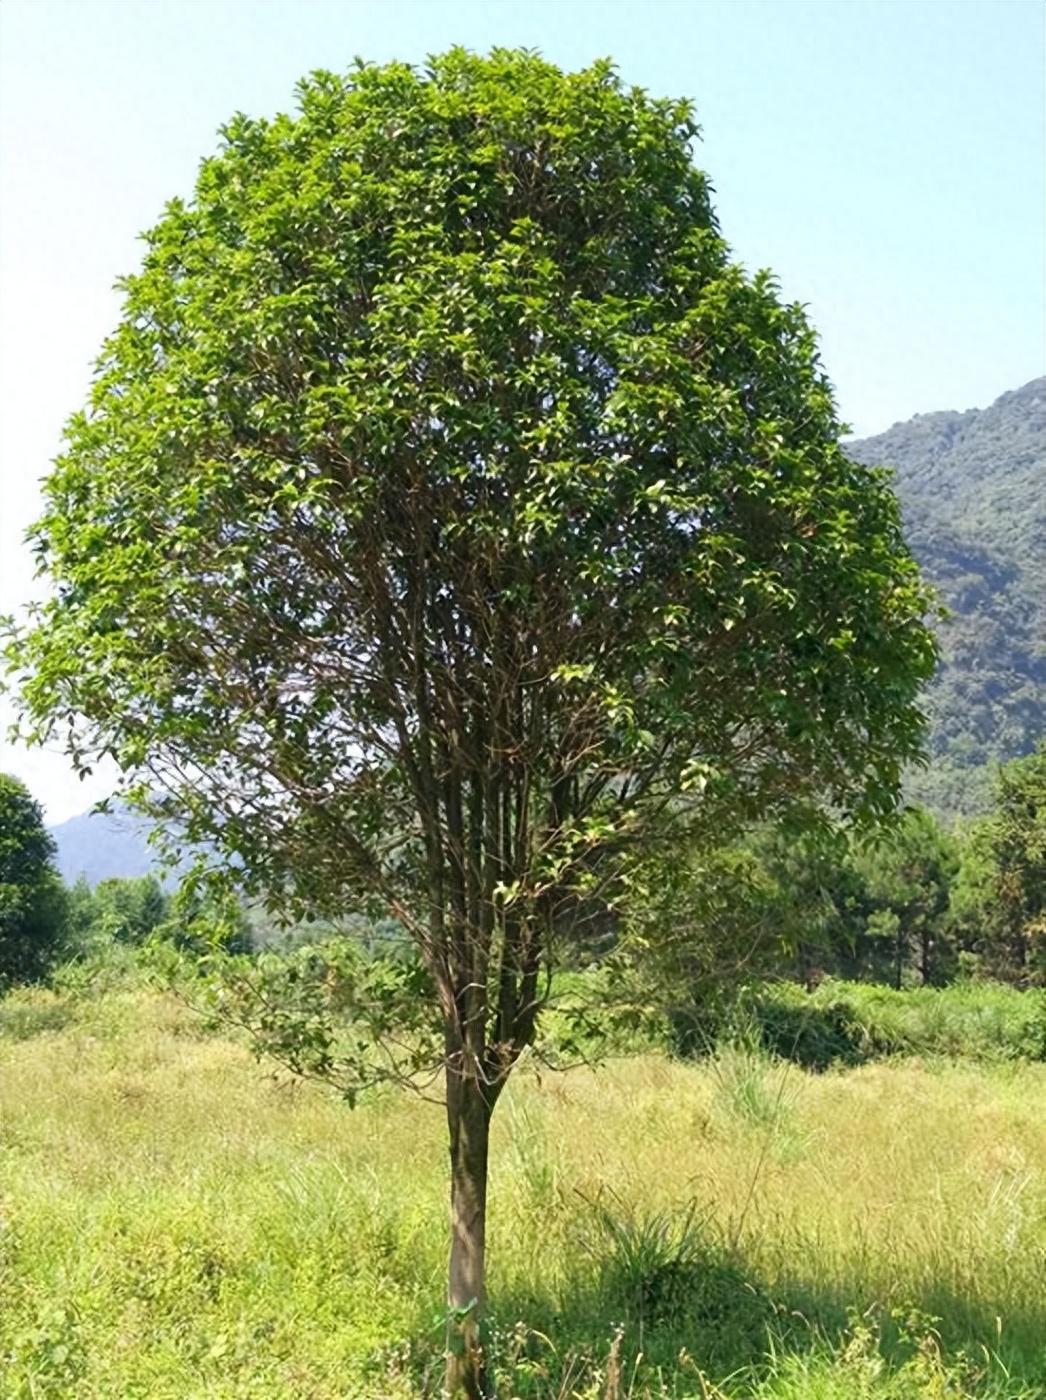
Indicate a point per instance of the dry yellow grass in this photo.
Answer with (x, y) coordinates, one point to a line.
(194, 1226)
(891, 1171)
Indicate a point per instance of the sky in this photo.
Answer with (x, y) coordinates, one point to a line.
(886, 158)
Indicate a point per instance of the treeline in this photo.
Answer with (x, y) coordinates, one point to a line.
(78, 924)
(921, 905)
(44, 923)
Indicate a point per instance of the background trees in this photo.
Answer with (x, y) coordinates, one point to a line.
(1018, 846)
(908, 879)
(115, 911)
(33, 901)
(1001, 890)
(452, 519)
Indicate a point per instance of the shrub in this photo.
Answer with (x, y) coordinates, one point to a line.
(850, 1023)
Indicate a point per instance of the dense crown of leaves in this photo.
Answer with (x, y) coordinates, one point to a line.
(440, 434)
(32, 899)
(1018, 846)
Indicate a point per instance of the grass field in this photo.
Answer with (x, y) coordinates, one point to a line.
(179, 1224)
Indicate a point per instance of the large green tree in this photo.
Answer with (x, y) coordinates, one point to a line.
(998, 901)
(32, 896)
(450, 512)
(1014, 838)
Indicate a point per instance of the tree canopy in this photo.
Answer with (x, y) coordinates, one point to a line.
(450, 513)
(1017, 842)
(32, 897)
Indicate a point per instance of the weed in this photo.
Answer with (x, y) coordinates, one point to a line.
(33, 1011)
(527, 1154)
(47, 1360)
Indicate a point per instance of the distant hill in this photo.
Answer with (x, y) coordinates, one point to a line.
(973, 490)
(103, 846)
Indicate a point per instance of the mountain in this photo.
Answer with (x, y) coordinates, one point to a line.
(972, 487)
(103, 846)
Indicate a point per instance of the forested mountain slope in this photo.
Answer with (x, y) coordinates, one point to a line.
(973, 489)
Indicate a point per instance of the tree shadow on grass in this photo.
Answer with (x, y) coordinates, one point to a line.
(671, 1313)
(711, 1315)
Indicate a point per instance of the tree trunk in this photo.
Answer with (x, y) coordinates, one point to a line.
(468, 1118)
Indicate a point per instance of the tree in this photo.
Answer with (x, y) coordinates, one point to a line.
(116, 911)
(449, 516)
(32, 896)
(819, 909)
(909, 878)
(1017, 845)
(696, 929)
(997, 910)
(128, 911)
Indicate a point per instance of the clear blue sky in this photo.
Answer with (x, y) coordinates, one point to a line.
(885, 157)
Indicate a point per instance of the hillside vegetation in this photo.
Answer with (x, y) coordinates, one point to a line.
(973, 489)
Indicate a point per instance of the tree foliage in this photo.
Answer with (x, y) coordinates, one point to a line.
(32, 897)
(778, 905)
(1016, 837)
(450, 515)
(116, 911)
(917, 904)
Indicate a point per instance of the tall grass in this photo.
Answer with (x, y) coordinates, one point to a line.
(179, 1224)
(855, 1022)
(845, 1023)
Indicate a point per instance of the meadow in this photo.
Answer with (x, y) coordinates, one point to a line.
(182, 1223)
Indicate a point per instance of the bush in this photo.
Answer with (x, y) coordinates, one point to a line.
(851, 1023)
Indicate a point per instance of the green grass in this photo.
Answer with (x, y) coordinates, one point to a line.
(853, 1023)
(972, 1020)
(181, 1225)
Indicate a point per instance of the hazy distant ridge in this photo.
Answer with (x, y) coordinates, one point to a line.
(103, 846)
